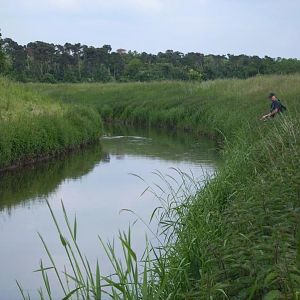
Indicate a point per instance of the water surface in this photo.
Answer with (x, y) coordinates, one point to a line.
(95, 184)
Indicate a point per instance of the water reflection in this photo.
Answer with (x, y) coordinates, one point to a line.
(164, 145)
(35, 182)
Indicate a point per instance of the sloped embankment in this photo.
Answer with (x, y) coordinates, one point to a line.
(34, 127)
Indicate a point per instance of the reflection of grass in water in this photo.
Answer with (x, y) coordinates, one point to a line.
(160, 143)
(38, 181)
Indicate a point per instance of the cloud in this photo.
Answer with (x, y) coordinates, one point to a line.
(219, 26)
(83, 6)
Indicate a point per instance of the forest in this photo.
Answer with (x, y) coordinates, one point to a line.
(46, 62)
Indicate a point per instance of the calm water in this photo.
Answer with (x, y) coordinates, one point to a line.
(95, 184)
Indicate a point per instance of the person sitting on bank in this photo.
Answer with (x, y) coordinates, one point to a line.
(276, 107)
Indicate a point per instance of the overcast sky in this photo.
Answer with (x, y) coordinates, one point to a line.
(252, 27)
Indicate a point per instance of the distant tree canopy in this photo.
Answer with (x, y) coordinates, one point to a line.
(2, 56)
(44, 62)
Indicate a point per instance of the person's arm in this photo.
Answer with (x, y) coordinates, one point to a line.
(269, 115)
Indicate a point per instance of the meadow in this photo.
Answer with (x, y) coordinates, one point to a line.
(200, 107)
(239, 237)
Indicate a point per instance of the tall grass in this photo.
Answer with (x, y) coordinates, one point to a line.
(218, 107)
(239, 237)
(33, 126)
(241, 233)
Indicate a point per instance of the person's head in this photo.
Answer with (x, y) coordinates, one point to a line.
(272, 96)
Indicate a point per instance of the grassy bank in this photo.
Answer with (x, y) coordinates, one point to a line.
(239, 237)
(213, 107)
(34, 127)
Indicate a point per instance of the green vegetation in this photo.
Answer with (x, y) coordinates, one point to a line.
(213, 107)
(239, 237)
(44, 62)
(34, 127)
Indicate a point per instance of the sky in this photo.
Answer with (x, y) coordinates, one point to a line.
(251, 27)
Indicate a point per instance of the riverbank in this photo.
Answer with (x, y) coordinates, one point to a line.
(239, 237)
(34, 127)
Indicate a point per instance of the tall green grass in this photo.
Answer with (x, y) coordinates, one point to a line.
(239, 237)
(214, 107)
(34, 126)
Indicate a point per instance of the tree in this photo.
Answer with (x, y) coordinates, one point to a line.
(18, 58)
(103, 74)
(116, 65)
(133, 67)
(40, 61)
(2, 56)
(41, 58)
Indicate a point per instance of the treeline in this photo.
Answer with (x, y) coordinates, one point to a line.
(44, 62)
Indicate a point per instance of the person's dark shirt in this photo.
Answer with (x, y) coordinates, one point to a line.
(275, 104)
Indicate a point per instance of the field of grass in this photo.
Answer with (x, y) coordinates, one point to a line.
(200, 107)
(34, 127)
(239, 238)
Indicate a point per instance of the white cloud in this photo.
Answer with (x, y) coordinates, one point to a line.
(219, 26)
(77, 6)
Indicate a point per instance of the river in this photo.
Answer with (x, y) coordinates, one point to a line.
(95, 183)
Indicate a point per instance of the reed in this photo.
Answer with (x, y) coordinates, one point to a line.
(82, 281)
(220, 107)
(241, 233)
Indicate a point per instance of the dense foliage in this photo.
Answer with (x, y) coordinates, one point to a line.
(45, 62)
